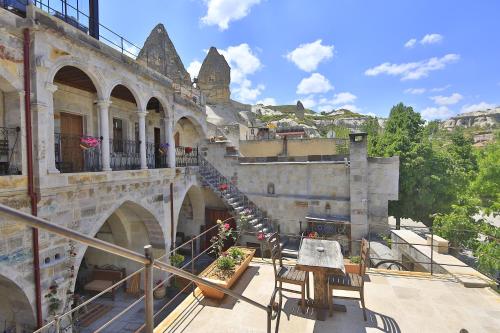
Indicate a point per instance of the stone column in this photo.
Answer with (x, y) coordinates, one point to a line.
(358, 181)
(51, 157)
(103, 106)
(142, 137)
(169, 137)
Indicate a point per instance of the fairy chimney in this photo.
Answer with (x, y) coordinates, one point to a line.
(214, 78)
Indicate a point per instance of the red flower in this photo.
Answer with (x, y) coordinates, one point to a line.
(188, 150)
(227, 226)
(223, 187)
(260, 236)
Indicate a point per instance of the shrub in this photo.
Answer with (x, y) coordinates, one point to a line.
(225, 263)
(236, 253)
(176, 259)
(355, 259)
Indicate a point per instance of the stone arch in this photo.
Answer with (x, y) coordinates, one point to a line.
(193, 200)
(96, 78)
(15, 306)
(201, 133)
(162, 100)
(134, 90)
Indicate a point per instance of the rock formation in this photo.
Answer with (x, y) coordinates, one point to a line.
(214, 78)
(483, 119)
(159, 53)
(299, 113)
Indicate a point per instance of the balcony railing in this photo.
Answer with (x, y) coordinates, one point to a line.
(75, 153)
(9, 142)
(125, 154)
(186, 156)
(156, 157)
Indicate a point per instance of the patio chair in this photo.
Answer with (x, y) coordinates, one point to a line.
(350, 281)
(287, 274)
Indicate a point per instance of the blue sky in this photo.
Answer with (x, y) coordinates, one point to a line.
(441, 57)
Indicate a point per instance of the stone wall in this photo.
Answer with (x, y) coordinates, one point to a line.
(295, 147)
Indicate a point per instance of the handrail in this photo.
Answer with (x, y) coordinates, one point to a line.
(37, 222)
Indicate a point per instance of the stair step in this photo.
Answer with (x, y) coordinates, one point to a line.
(239, 209)
(254, 221)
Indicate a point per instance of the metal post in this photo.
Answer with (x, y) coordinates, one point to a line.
(57, 324)
(192, 261)
(432, 250)
(148, 289)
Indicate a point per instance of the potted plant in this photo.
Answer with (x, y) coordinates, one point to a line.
(229, 265)
(177, 260)
(188, 150)
(160, 291)
(88, 142)
(352, 264)
(54, 301)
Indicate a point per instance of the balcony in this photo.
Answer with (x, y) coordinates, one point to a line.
(74, 153)
(186, 156)
(9, 146)
(125, 154)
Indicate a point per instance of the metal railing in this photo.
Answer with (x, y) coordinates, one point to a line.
(186, 156)
(125, 154)
(9, 144)
(156, 158)
(145, 259)
(82, 21)
(77, 153)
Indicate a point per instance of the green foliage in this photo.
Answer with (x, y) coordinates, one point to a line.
(176, 259)
(488, 256)
(236, 253)
(487, 183)
(373, 129)
(225, 263)
(355, 259)
(270, 118)
(224, 232)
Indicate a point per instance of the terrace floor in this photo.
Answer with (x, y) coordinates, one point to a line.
(396, 302)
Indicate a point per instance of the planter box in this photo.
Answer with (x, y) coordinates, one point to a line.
(213, 293)
(351, 267)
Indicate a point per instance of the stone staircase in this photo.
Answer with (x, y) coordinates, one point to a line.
(238, 202)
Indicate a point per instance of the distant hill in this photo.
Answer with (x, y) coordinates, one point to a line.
(287, 108)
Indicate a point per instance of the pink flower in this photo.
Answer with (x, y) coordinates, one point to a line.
(227, 226)
(260, 236)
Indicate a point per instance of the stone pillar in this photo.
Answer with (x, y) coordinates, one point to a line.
(358, 180)
(103, 106)
(169, 137)
(142, 137)
(51, 158)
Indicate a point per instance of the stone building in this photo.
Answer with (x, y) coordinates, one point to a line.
(119, 151)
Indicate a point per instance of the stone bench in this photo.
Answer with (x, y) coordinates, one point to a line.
(440, 243)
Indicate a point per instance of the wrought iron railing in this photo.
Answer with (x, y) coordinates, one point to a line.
(186, 156)
(9, 145)
(76, 153)
(125, 154)
(156, 157)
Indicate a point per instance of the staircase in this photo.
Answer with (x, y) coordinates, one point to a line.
(237, 201)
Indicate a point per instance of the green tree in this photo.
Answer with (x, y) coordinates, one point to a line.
(487, 183)
(373, 129)
(426, 181)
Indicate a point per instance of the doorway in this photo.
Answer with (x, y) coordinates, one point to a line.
(71, 155)
(157, 137)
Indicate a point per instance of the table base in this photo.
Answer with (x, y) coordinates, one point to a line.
(322, 308)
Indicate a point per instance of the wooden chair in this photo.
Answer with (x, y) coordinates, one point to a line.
(350, 281)
(286, 274)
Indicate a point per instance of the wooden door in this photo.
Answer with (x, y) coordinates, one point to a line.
(177, 139)
(211, 217)
(157, 135)
(71, 133)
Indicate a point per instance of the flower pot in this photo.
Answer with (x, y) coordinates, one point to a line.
(351, 267)
(239, 270)
(160, 293)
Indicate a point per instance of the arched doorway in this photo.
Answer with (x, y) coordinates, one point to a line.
(156, 138)
(188, 136)
(16, 314)
(130, 226)
(191, 217)
(76, 134)
(125, 129)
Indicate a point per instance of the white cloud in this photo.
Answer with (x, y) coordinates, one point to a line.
(413, 70)
(243, 62)
(370, 114)
(340, 98)
(477, 107)
(246, 93)
(221, 12)
(447, 100)
(431, 39)
(308, 56)
(438, 89)
(309, 102)
(415, 91)
(267, 101)
(194, 68)
(440, 112)
(410, 43)
(314, 84)
(350, 107)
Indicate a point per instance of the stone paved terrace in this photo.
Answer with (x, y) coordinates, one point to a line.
(396, 302)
